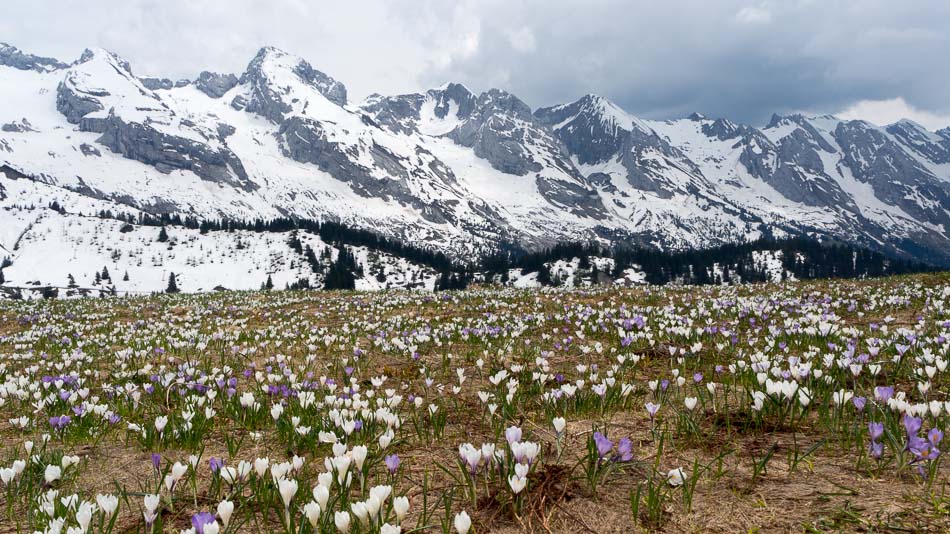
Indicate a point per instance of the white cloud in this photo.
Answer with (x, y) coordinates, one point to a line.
(754, 15)
(522, 39)
(884, 112)
(656, 59)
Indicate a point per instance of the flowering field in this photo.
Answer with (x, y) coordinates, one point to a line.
(807, 407)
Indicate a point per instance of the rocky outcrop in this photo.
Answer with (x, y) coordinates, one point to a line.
(498, 129)
(328, 87)
(168, 152)
(215, 85)
(155, 84)
(89, 150)
(306, 141)
(799, 172)
(19, 127)
(74, 104)
(398, 114)
(402, 113)
(12, 56)
(722, 129)
(453, 95)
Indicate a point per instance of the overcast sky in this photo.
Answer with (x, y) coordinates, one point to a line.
(872, 59)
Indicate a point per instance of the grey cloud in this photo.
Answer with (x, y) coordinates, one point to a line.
(738, 59)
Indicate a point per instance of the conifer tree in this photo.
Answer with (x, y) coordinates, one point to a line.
(172, 284)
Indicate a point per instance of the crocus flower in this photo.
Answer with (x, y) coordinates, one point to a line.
(624, 450)
(512, 434)
(215, 464)
(462, 522)
(225, 509)
(922, 449)
(883, 393)
(875, 430)
(676, 477)
(604, 445)
(935, 436)
(392, 463)
(60, 422)
(199, 520)
(859, 403)
(912, 425)
(52, 473)
(342, 521)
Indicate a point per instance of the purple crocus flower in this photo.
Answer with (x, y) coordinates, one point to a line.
(215, 464)
(883, 393)
(859, 403)
(157, 461)
(922, 449)
(200, 520)
(624, 450)
(935, 436)
(652, 409)
(604, 445)
(875, 430)
(59, 423)
(912, 425)
(392, 463)
(876, 450)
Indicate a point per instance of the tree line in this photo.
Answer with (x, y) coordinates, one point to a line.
(802, 257)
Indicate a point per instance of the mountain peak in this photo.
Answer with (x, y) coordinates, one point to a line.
(454, 91)
(101, 54)
(272, 65)
(12, 56)
(500, 100)
(909, 123)
(453, 87)
(776, 120)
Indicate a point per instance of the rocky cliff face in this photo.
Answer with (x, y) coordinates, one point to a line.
(463, 172)
(215, 85)
(167, 153)
(12, 56)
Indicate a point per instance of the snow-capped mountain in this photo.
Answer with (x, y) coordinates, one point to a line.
(447, 169)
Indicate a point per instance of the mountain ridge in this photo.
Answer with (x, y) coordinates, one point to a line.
(459, 172)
